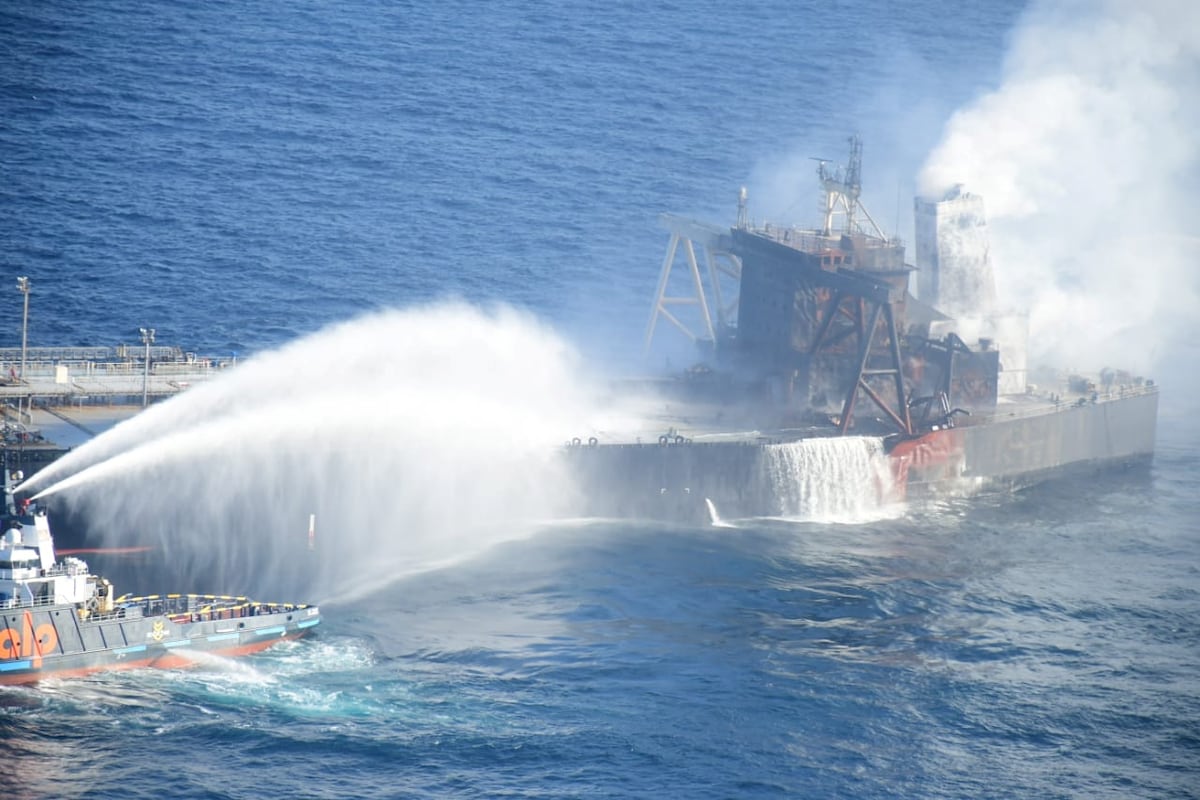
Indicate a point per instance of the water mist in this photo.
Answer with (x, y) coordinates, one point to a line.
(416, 437)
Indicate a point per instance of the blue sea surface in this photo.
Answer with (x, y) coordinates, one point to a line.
(238, 175)
(234, 174)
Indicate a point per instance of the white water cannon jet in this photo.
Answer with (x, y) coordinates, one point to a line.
(420, 453)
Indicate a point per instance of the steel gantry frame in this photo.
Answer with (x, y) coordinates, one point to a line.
(864, 312)
(718, 262)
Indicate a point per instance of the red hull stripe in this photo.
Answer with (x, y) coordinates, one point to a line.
(166, 660)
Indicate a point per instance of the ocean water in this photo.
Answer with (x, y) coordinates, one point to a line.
(239, 175)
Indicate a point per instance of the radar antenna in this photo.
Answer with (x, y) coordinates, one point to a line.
(842, 186)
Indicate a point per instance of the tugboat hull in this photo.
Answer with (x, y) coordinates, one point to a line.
(60, 641)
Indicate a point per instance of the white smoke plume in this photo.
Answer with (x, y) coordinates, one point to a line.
(1087, 159)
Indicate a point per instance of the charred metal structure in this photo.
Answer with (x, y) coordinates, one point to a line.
(808, 334)
(825, 322)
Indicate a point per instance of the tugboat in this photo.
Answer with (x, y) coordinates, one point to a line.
(59, 620)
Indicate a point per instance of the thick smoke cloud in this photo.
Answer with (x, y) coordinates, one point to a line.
(1087, 159)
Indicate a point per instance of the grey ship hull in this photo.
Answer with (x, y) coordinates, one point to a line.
(687, 481)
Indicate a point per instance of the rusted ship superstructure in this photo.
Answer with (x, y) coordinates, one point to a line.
(812, 334)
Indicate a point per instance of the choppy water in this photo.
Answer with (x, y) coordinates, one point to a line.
(236, 175)
(1041, 644)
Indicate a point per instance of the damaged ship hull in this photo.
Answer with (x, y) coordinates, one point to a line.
(1021, 450)
(692, 481)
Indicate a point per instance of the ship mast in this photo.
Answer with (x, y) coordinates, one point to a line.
(842, 187)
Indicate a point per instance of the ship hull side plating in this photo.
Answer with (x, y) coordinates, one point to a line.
(1018, 451)
(669, 481)
(673, 481)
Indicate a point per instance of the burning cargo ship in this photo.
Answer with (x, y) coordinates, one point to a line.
(820, 367)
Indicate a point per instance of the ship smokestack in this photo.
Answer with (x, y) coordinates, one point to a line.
(952, 255)
(955, 276)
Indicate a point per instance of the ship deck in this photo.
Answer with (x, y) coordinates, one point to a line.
(664, 419)
(183, 608)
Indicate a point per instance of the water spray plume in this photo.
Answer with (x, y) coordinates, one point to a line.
(1087, 159)
(416, 437)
